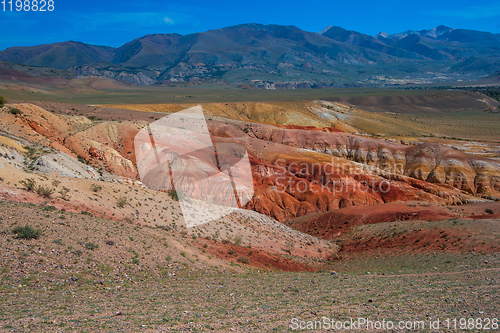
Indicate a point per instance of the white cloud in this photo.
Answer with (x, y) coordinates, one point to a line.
(99, 21)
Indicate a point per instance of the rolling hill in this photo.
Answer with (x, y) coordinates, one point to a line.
(59, 55)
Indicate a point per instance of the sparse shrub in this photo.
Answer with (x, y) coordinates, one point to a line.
(15, 111)
(2, 101)
(183, 254)
(121, 202)
(238, 240)
(49, 208)
(31, 152)
(243, 260)
(175, 195)
(26, 232)
(28, 184)
(84, 212)
(45, 191)
(289, 246)
(91, 246)
(231, 252)
(56, 183)
(135, 260)
(91, 118)
(489, 211)
(64, 192)
(57, 241)
(95, 188)
(246, 130)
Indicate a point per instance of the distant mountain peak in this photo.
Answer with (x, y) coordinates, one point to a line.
(443, 27)
(382, 34)
(325, 29)
(433, 33)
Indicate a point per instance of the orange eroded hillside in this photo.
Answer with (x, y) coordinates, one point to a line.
(296, 170)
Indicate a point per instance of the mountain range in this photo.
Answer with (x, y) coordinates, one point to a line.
(276, 56)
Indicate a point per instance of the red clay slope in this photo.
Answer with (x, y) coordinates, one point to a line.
(333, 224)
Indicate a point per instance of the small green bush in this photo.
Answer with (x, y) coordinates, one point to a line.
(15, 111)
(28, 184)
(95, 188)
(175, 195)
(31, 152)
(45, 191)
(91, 246)
(489, 211)
(121, 202)
(243, 260)
(2, 101)
(26, 232)
(231, 251)
(238, 240)
(49, 208)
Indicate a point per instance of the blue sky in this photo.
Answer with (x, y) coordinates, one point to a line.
(115, 22)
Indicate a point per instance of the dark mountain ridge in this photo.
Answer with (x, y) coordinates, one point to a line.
(271, 56)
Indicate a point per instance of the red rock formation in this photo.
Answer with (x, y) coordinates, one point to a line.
(299, 172)
(296, 170)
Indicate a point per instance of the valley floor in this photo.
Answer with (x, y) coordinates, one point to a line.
(59, 284)
(258, 302)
